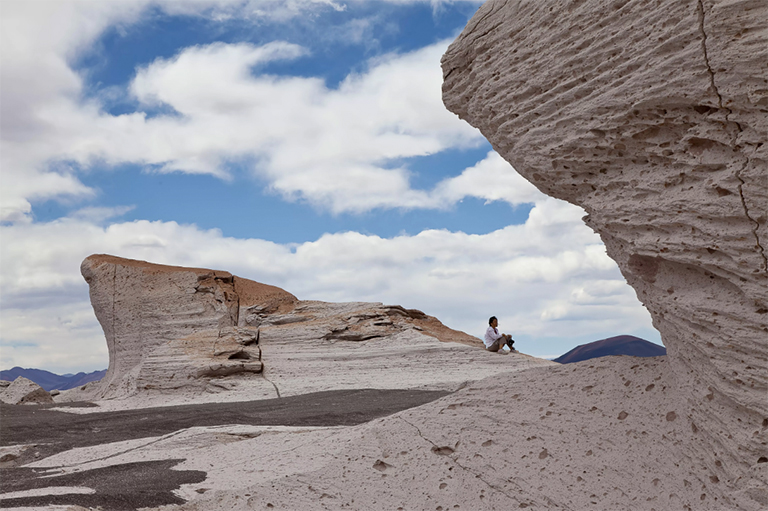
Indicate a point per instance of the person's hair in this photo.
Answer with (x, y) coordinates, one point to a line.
(491, 320)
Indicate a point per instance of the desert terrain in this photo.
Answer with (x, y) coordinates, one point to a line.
(653, 117)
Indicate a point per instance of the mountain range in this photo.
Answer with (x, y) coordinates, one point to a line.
(619, 345)
(51, 381)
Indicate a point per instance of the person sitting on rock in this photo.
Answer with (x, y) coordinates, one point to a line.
(494, 340)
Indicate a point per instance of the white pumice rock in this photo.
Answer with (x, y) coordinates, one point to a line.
(653, 117)
(22, 391)
(183, 335)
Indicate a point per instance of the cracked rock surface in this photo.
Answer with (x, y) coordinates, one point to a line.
(653, 117)
(189, 335)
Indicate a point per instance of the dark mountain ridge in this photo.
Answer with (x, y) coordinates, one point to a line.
(619, 345)
(52, 381)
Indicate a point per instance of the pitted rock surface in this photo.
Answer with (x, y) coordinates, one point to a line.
(652, 116)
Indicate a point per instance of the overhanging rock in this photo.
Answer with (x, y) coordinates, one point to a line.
(653, 117)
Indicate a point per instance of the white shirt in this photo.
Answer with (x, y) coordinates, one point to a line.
(491, 335)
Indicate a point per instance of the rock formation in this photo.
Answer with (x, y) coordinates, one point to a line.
(22, 391)
(653, 117)
(175, 331)
(167, 326)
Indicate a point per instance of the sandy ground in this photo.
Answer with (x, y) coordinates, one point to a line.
(125, 477)
(604, 434)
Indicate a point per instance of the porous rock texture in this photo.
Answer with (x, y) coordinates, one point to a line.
(653, 117)
(180, 335)
(603, 434)
(22, 391)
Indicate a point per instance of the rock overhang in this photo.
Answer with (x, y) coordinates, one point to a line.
(653, 117)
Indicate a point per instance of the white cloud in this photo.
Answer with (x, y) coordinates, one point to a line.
(328, 146)
(331, 147)
(547, 279)
(491, 179)
(98, 215)
(552, 286)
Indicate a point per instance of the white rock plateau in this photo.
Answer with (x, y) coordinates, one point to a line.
(191, 335)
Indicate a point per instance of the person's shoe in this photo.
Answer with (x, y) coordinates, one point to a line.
(503, 352)
(513, 350)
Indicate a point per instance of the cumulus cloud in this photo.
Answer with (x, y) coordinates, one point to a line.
(331, 147)
(549, 280)
(491, 179)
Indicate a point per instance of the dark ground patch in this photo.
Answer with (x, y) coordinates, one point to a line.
(150, 484)
(119, 487)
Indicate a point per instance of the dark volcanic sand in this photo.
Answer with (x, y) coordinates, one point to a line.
(150, 484)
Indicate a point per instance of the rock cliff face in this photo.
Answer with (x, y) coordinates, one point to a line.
(652, 116)
(175, 331)
(168, 327)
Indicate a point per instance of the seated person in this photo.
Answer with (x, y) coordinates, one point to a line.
(494, 340)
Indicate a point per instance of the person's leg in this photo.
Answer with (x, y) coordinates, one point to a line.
(495, 346)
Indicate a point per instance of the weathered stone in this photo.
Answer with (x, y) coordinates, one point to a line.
(24, 392)
(182, 333)
(654, 119)
(166, 326)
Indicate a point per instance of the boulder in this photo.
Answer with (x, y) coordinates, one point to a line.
(654, 119)
(24, 392)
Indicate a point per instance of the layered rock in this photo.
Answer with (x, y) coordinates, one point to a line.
(654, 119)
(168, 327)
(183, 332)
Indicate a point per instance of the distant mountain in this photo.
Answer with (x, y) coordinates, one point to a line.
(619, 345)
(50, 381)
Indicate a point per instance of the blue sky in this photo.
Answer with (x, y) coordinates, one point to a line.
(299, 143)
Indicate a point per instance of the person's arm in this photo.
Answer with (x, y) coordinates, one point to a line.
(492, 334)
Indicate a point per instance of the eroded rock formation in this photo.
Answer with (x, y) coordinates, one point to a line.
(168, 327)
(172, 329)
(653, 117)
(22, 391)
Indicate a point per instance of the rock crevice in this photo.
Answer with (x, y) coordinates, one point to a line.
(700, 8)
